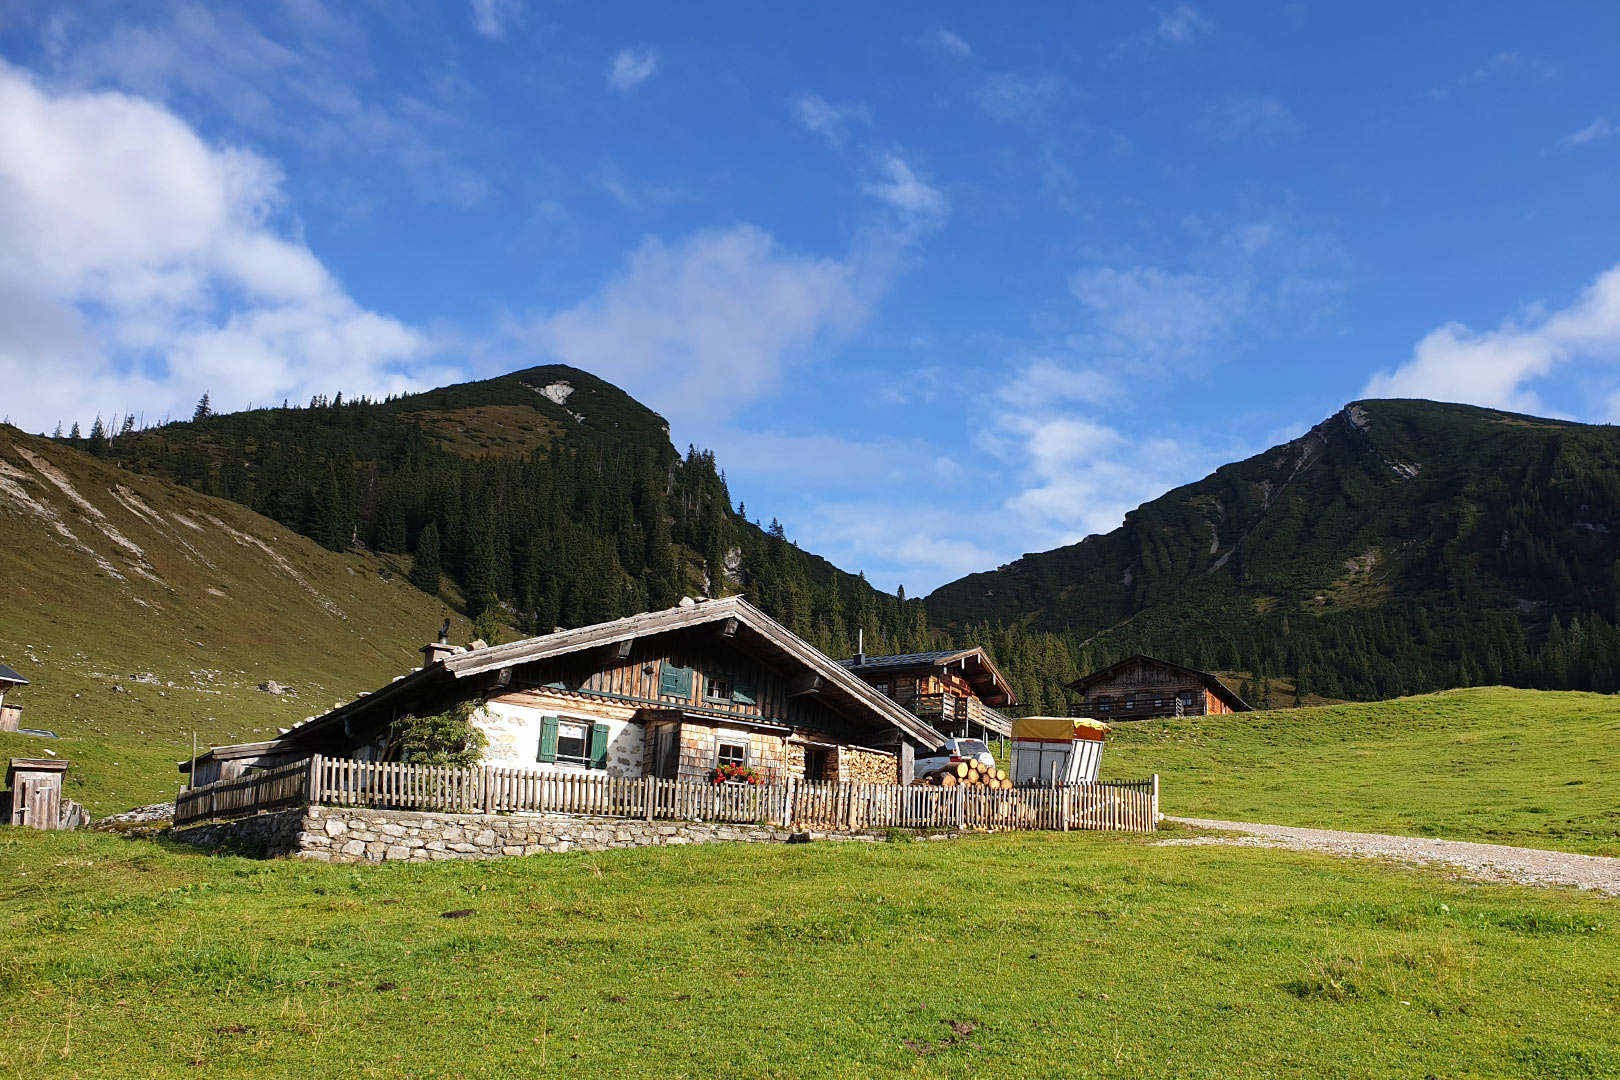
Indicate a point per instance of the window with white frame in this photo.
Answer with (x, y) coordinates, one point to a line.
(573, 742)
(732, 753)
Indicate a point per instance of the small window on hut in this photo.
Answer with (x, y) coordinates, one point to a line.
(731, 753)
(1188, 700)
(717, 688)
(881, 687)
(1130, 702)
(573, 742)
(1104, 704)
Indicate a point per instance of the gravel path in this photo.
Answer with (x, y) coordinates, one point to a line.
(1487, 862)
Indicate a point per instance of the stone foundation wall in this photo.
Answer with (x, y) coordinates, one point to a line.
(354, 835)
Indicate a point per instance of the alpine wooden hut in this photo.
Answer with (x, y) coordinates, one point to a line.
(955, 690)
(1143, 687)
(676, 694)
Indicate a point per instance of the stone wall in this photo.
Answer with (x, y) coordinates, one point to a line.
(347, 834)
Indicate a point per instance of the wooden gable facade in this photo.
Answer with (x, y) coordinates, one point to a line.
(955, 690)
(1144, 687)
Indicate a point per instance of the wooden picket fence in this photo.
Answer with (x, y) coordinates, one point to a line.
(1129, 806)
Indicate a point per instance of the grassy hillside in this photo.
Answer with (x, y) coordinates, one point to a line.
(1076, 955)
(142, 612)
(1504, 766)
(1398, 547)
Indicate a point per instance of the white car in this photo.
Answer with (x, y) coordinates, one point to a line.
(953, 751)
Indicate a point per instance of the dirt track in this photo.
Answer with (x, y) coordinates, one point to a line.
(1487, 862)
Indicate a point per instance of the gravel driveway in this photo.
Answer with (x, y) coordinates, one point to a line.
(1487, 862)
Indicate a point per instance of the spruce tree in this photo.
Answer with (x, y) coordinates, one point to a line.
(98, 438)
(203, 410)
(425, 564)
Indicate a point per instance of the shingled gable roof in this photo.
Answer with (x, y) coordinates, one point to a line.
(1211, 682)
(7, 675)
(757, 633)
(987, 680)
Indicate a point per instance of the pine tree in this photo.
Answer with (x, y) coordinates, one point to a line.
(127, 429)
(425, 564)
(204, 410)
(98, 438)
(391, 523)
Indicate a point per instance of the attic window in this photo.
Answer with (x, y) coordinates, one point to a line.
(717, 688)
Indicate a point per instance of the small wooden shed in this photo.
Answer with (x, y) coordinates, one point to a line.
(36, 792)
(10, 715)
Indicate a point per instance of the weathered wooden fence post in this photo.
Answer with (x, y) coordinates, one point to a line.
(961, 806)
(312, 785)
(1153, 822)
(791, 793)
(650, 793)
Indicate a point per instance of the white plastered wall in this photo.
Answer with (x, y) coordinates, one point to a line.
(513, 728)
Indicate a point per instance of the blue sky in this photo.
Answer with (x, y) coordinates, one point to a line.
(940, 284)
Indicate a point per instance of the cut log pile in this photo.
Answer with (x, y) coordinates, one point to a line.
(968, 774)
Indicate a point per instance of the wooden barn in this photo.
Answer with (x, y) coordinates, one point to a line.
(677, 694)
(1143, 687)
(956, 690)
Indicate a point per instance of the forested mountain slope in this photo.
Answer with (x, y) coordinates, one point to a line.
(550, 496)
(1399, 546)
(142, 612)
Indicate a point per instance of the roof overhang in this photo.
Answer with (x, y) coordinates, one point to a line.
(748, 628)
(11, 677)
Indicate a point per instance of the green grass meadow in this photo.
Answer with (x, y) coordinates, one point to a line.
(1536, 768)
(1085, 955)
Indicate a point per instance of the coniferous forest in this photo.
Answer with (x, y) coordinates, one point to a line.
(1397, 548)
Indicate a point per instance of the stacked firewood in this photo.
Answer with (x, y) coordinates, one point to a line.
(968, 774)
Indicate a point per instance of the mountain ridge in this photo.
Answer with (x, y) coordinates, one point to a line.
(1475, 514)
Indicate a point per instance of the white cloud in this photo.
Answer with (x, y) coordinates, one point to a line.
(631, 68)
(950, 43)
(493, 17)
(1251, 119)
(299, 85)
(1026, 99)
(1494, 368)
(630, 193)
(1185, 24)
(702, 327)
(826, 120)
(143, 267)
(1597, 130)
(1148, 313)
(901, 188)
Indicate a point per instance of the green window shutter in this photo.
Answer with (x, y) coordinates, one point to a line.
(675, 682)
(743, 693)
(548, 738)
(599, 741)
